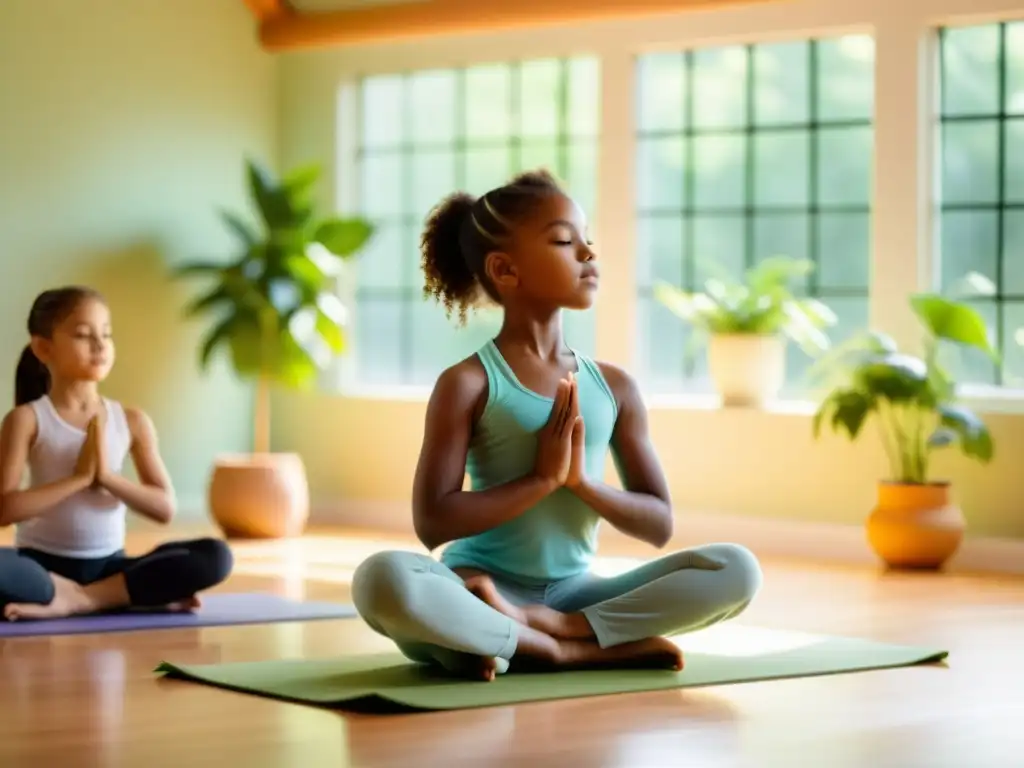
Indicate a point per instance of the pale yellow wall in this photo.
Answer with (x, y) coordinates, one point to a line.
(123, 125)
(360, 447)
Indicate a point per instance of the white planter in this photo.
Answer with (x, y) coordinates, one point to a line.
(747, 370)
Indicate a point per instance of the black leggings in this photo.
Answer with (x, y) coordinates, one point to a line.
(171, 572)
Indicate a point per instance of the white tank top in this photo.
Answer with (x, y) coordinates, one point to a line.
(90, 523)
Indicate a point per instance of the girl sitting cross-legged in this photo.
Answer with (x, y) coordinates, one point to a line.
(69, 553)
(532, 421)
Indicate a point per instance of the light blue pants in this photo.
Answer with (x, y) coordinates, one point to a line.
(425, 608)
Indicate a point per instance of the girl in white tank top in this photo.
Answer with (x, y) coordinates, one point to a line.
(70, 520)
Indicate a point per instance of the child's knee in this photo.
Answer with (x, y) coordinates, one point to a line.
(382, 586)
(741, 572)
(213, 559)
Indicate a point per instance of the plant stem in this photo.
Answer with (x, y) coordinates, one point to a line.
(902, 472)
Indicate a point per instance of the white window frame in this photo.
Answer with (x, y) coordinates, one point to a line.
(322, 83)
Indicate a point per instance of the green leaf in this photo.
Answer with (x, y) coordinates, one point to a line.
(193, 268)
(207, 301)
(894, 377)
(244, 231)
(304, 271)
(952, 321)
(975, 439)
(942, 437)
(330, 331)
(344, 237)
(299, 182)
(851, 411)
(270, 198)
(217, 336)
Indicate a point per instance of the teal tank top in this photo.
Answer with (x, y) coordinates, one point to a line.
(557, 538)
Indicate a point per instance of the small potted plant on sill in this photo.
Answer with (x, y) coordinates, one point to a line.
(747, 323)
(915, 523)
(274, 309)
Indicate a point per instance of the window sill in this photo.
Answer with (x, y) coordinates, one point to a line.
(984, 400)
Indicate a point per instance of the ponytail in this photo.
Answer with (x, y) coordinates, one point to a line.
(31, 379)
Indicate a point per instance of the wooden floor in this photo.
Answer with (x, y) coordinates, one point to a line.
(93, 700)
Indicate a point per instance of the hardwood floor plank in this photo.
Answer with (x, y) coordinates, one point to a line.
(93, 700)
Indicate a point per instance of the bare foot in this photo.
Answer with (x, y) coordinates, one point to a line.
(488, 669)
(570, 626)
(69, 599)
(652, 653)
(183, 606)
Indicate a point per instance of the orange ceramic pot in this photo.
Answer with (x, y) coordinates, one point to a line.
(915, 526)
(262, 496)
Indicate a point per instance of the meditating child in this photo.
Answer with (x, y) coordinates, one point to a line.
(532, 421)
(69, 555)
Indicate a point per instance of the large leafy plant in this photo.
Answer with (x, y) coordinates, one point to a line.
(761, 303)
(912, 399)
(272, 304)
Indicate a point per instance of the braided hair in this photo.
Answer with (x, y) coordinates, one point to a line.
(461, 230)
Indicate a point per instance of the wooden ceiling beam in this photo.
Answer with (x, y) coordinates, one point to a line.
(268, 10)
(428, 18)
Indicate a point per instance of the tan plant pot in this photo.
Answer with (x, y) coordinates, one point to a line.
(915, 526)
(748, 370)
(262, 495)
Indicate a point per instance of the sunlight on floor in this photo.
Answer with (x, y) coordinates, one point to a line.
(741, 640)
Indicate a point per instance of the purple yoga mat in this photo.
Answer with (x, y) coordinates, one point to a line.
(218, 610)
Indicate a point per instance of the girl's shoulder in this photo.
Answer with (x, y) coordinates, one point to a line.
(21, 421)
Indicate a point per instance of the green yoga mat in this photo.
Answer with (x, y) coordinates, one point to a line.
(715, 658)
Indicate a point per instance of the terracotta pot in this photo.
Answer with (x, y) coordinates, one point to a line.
(263, 495)
(915, 526)
(748, 370)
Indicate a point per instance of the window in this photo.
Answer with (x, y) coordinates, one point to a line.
(980, 217)
(426, 134)
(745, 152)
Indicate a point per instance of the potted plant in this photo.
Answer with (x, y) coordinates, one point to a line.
(746, 324)
(912, 400)
(273, 308)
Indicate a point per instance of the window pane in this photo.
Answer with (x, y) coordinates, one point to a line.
(1013, 344)
(432, 107)
(487, 168)
(661, 168)
(844, 250)
(844, 166)
(720, 178)
(1013, 253)
(488, 102)
(719, 247)
(383, 258)
(780, 83)
(781, 168)
(542, 154)
(381, 180)
(660, 250)
(846, 78)
(970, 162)
(1015, 68)
(433, 178)
(439, 342)
(720, 87)
(584, 97)
(968, 244)
(664, 340)
(382, 111)
(378, 337)
(970, 70)
(1014, 162)
(781, 234)
(581, 177)
(661, 92)
(792, 178)
(540, 98)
